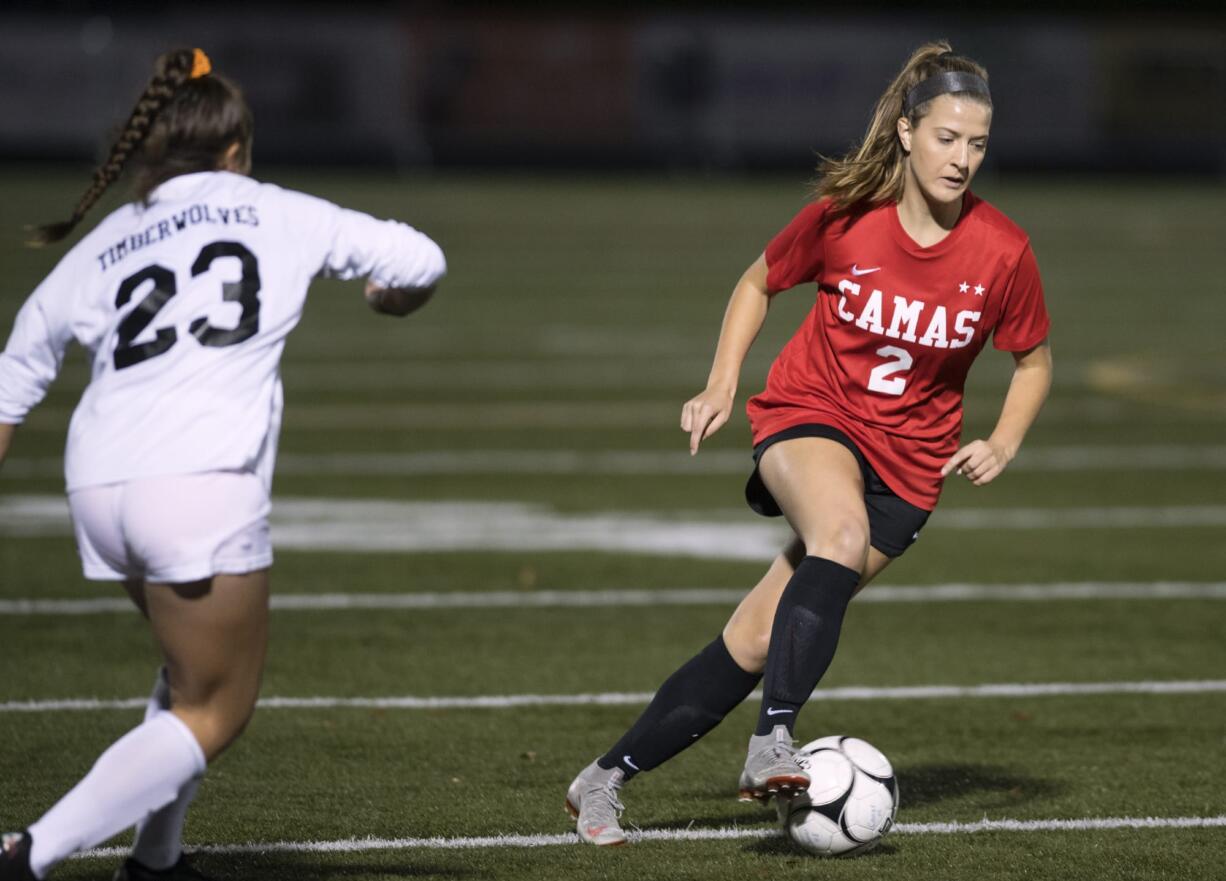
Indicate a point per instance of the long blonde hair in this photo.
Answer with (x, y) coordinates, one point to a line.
(872, 173)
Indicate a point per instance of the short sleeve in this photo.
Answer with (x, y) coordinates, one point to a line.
(1024, 322)
(795, 255)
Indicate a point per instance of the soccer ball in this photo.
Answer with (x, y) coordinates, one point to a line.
(851, 801)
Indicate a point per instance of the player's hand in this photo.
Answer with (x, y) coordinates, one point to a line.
(706, 414)
(396, 301)
(980, 462)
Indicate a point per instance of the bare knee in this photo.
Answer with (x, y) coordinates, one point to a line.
(748, 644)
(216, 710)
(843, 539)
(215, 725)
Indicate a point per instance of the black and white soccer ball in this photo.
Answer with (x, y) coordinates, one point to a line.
(851, 802)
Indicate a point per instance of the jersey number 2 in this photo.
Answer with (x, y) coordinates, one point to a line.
(245, 292)
(878, 379)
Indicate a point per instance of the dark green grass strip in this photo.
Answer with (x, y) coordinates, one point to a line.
(48, 568)
(1124, 855)
(575, 651)
(332, 775)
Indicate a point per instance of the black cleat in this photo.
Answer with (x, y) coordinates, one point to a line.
(15, 857)
(131, 870)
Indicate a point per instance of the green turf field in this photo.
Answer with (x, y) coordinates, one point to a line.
(514, 447)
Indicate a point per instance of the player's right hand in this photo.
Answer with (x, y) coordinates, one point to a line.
(705, 414)
(397, 301)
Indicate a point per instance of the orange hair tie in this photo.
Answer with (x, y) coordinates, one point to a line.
(201, 66)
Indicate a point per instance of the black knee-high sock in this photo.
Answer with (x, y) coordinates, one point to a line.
(803, 638)
(691, 702)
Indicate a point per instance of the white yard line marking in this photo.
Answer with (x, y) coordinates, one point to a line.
(613, 699)
(1085, 824)
(1170, 457)
(549, 599)
(356, 525)
(358, 845)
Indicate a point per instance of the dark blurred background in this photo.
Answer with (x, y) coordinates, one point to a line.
(1116, 88)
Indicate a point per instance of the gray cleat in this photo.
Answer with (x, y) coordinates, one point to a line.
(592, 801)
(771, 768)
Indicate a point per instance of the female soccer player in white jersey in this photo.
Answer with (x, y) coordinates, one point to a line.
(860, 420)
(183, 300)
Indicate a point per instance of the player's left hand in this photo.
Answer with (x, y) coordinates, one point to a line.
(980, 462)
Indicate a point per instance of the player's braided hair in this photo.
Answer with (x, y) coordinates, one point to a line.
(873, 172)
(184, 121)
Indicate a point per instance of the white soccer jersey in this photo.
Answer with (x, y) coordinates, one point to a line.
(184, 307)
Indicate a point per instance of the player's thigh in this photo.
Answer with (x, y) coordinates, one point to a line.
(202, 540)
(135, 589)
(818, 485)
(213, 634)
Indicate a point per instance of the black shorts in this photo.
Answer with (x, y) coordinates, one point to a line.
(893, 524)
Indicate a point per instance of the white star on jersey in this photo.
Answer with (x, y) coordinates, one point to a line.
(963, 288)
(979, 289)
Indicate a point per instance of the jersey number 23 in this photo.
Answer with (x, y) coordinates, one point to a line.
(245, 292)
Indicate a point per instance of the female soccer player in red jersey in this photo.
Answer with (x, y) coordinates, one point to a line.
(183, 299)
(860, 420)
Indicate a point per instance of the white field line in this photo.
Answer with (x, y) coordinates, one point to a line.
(357, 845)
(1165, 457)
(558, 599)
(373, 525)
(615, 699)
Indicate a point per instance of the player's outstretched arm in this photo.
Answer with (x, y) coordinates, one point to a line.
(706, 413)
(397, 301)
(981, 461)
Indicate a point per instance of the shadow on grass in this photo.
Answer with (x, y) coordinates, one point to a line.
(323, 867)
(785, 847)
(921, 785)
(933, 784)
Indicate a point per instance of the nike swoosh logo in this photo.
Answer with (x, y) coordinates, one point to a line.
(771, 711)
(626, 759)
(856, 270)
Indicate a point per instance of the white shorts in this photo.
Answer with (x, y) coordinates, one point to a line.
(173, 529)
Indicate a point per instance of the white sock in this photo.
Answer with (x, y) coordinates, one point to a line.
(143, 771)
(159, 837)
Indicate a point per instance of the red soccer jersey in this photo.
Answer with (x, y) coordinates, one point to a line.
(883, 356)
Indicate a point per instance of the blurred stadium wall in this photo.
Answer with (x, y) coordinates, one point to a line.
(412, 85)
